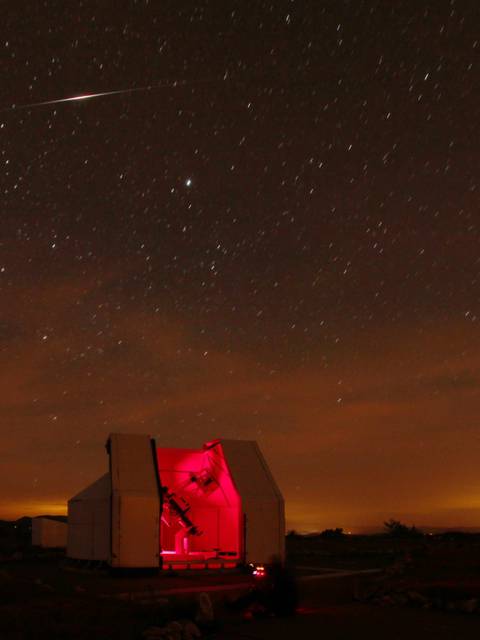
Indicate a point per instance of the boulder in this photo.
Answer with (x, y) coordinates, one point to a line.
(174, 631)
(190, 631)
(469, 606)
(417, 599)
(400, 599)
(204, 614)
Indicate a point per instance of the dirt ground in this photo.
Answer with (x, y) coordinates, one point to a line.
(43, 598)
(328, 611)
(350, 622)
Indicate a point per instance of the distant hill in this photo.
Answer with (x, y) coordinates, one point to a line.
(56, 518)
(15, 535)
(21, 523)
(371, 531)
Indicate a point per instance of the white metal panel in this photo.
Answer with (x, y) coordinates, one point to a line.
(79, 544)
(262, 502)
(101, 530)
(136, 522)
(135, 534)
(49, 533)
(89, 522)
(250, 470)
(265, 531)
(98, 490)
(54, 533)
(36, 532)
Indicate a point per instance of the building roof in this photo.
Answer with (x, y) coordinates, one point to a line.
(56, 518)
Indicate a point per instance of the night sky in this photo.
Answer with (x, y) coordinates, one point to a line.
(277, 237)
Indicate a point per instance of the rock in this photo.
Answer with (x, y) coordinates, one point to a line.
(417, 599)
(372, 593)
(469, 606)
(174, 631)
(190, 631)
(396, 569)
(204, 613)
(438, 603)
(399, 599)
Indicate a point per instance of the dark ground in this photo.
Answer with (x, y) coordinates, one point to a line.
(328, 611)
(41, 598)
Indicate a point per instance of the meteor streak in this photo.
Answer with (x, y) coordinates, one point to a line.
(86, 96)
(89, 96)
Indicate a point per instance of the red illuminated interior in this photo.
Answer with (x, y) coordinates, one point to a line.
(201, 514)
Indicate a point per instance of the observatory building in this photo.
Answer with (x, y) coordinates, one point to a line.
(49, 532)
(213, 507)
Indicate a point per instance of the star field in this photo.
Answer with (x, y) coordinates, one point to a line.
(273, 233)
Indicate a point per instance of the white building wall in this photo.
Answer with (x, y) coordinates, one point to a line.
(262, 502)
(135, 502)
(89, 522)
(49, 533)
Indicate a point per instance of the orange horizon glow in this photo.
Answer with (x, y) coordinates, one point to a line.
(468, 518)
(352, 444)
(32, 509)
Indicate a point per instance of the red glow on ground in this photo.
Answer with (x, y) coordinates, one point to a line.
(202, 516)
(259, 572)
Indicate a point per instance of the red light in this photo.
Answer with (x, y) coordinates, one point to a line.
(259, 571)
(201, 520)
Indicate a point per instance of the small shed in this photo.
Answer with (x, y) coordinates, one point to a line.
(49, 532)
(216, 506)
